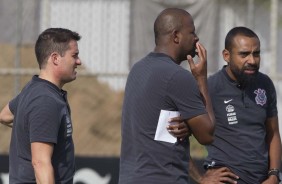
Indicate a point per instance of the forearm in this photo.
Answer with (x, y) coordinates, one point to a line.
(202, 126)
(203, 87)
(8, 125)
(274, 142)
(43, 172)
(275, 151)
(42, 162)
(6, 120)
(194, 172)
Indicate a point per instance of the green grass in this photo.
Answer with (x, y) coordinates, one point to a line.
(196, 149)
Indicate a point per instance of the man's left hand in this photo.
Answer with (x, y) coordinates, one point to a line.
(179, 129)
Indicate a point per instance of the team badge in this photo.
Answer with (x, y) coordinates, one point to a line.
(230, 108)
(261, 96)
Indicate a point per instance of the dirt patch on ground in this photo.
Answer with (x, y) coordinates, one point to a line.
(96, 114)
(96, 109)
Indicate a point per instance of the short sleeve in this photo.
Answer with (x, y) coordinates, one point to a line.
(272, 102)
(44, 120)
(184, 92)
(13, 104)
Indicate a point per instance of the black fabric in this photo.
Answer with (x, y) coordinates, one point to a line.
(156, 83)
(240, 125)
(41, 115)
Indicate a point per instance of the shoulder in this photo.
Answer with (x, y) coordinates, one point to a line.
(215, 77)
(43, 88)
(264, 77)
(216, 80)
(264, 80)
(181, 73)
(40, 94)
(182, 79)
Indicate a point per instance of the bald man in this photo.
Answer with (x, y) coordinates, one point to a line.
(157, 83)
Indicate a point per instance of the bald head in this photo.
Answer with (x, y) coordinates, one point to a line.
(169, 20)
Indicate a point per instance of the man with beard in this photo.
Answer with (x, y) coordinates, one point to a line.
(157, 83)
(247, 138)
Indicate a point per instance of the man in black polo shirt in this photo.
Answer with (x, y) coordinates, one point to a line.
(41, 149)
(157, 83)
(247, 138)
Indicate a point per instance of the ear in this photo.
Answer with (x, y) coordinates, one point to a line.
(55, 58)
(226, 55)
(176, 36)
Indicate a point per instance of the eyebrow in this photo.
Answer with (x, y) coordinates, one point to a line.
(248, 52)
(76, 52)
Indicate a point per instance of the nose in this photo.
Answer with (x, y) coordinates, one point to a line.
(78, 61)
(251, 59)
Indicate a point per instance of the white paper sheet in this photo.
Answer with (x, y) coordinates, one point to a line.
(162, 133)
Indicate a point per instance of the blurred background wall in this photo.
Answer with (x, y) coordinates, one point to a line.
(115, 35)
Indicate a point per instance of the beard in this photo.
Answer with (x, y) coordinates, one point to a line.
(243, 78)
(194, 51)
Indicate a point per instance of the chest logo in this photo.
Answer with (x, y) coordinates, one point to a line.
(227, 101)
(261, 96)
(230, 108)
(231, 115)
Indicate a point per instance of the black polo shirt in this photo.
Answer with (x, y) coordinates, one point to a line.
(240, 125)
(156, 83)
(41, 114)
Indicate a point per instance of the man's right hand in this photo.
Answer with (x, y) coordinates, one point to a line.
(199, 68)
(219, 176)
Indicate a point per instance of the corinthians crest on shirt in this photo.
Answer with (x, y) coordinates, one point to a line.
(260, 96)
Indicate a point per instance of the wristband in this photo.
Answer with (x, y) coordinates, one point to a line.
(274, 172)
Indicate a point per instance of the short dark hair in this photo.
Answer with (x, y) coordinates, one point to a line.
(53, 40)
(243, 31)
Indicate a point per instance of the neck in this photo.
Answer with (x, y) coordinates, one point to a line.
(229, 73)
(168, 52)
(47, 76)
